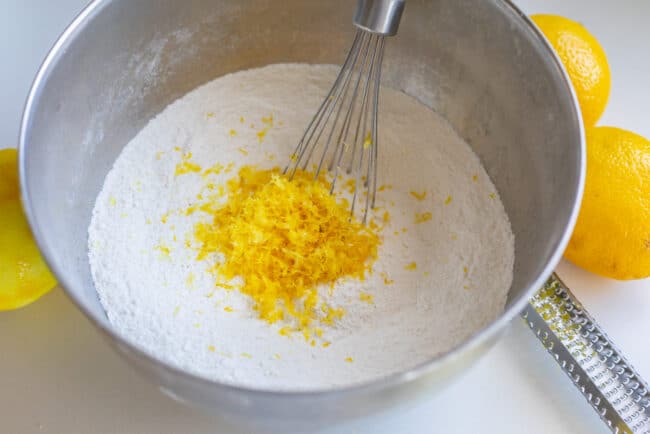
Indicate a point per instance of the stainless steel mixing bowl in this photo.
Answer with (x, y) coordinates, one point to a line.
(478, 62)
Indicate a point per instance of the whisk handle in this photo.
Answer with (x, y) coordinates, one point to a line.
(379, 16)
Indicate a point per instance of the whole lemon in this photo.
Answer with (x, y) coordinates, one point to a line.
(612, 235)
(24, 277)
(584, 60)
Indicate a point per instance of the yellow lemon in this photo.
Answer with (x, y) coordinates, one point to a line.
(612, 235)
(584, 60)
(24, 277)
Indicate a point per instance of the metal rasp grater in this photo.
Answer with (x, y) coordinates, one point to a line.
(590, 359)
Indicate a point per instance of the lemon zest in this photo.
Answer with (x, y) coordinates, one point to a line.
(367, 298)
(422, 217)
(186, 165)
(215, 169)
(367, 142)
(284, 238)
(419, 196)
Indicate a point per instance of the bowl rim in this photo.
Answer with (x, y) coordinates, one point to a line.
(484, 335)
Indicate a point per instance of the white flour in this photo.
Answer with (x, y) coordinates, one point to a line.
(159, 297)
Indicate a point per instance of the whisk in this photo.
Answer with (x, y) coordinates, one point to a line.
(342, 135)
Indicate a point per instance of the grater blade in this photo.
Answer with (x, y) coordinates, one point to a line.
(584, 352)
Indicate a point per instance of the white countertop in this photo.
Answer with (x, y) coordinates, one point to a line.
(58, 376)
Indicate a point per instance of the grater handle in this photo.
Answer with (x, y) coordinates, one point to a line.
(591, 360)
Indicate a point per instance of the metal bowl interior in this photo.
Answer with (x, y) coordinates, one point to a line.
(480, 63)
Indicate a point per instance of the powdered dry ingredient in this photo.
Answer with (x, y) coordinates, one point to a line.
(443, 270)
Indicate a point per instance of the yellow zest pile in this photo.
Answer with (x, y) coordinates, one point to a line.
(284, 238)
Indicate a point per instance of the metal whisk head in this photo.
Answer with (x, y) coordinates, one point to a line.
(342, 135)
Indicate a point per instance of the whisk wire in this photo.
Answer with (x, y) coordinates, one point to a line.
(341, 95)
(315, 122)
(364, 114)
(374, 149)
(343, 132)
(344, 92)
(366, 143)
(342, 142)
